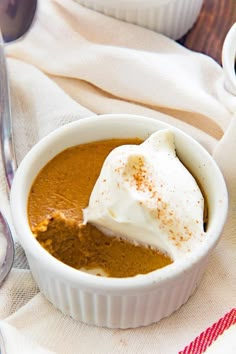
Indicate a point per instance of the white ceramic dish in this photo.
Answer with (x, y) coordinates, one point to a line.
(229, 60)
(114, 302)
(172, 18)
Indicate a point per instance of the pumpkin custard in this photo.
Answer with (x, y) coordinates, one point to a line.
(55, 208)
(102, 208)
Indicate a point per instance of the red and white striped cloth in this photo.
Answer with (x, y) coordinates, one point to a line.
(204, 341)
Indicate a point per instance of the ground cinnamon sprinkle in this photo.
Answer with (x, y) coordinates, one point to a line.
(142, 180)
(143, 183)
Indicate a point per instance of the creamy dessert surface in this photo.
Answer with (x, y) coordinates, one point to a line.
(88, 249)
(66, 182)
(59, 194)
(138, 211)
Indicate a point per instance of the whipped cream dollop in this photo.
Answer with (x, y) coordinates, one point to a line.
(146, 195)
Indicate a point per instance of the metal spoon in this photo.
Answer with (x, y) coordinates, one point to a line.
(9, 254)
(16, 17)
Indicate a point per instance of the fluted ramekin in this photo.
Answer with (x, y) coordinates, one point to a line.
(172, 18)
(117, 302)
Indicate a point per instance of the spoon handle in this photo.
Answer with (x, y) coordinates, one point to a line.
(9, 251)
(6, 135)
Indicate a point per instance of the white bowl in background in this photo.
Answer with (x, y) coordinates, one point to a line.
(117, 302)
(229, 60)
(173, 18)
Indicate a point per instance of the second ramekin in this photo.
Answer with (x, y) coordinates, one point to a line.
(229, 59)
(172, 18)
(116, 302)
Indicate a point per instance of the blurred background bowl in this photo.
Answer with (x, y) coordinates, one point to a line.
(172, 18)
(229, 60)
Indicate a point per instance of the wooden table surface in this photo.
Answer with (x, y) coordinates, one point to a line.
(208, 34)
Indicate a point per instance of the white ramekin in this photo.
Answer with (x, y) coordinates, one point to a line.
(172, 18)
(229, 60)
(114, 302)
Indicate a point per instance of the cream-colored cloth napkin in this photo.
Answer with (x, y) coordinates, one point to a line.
(75, 63)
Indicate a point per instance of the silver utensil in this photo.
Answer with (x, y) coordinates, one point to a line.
(6, 136)
(16, 17)
(9, 253)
